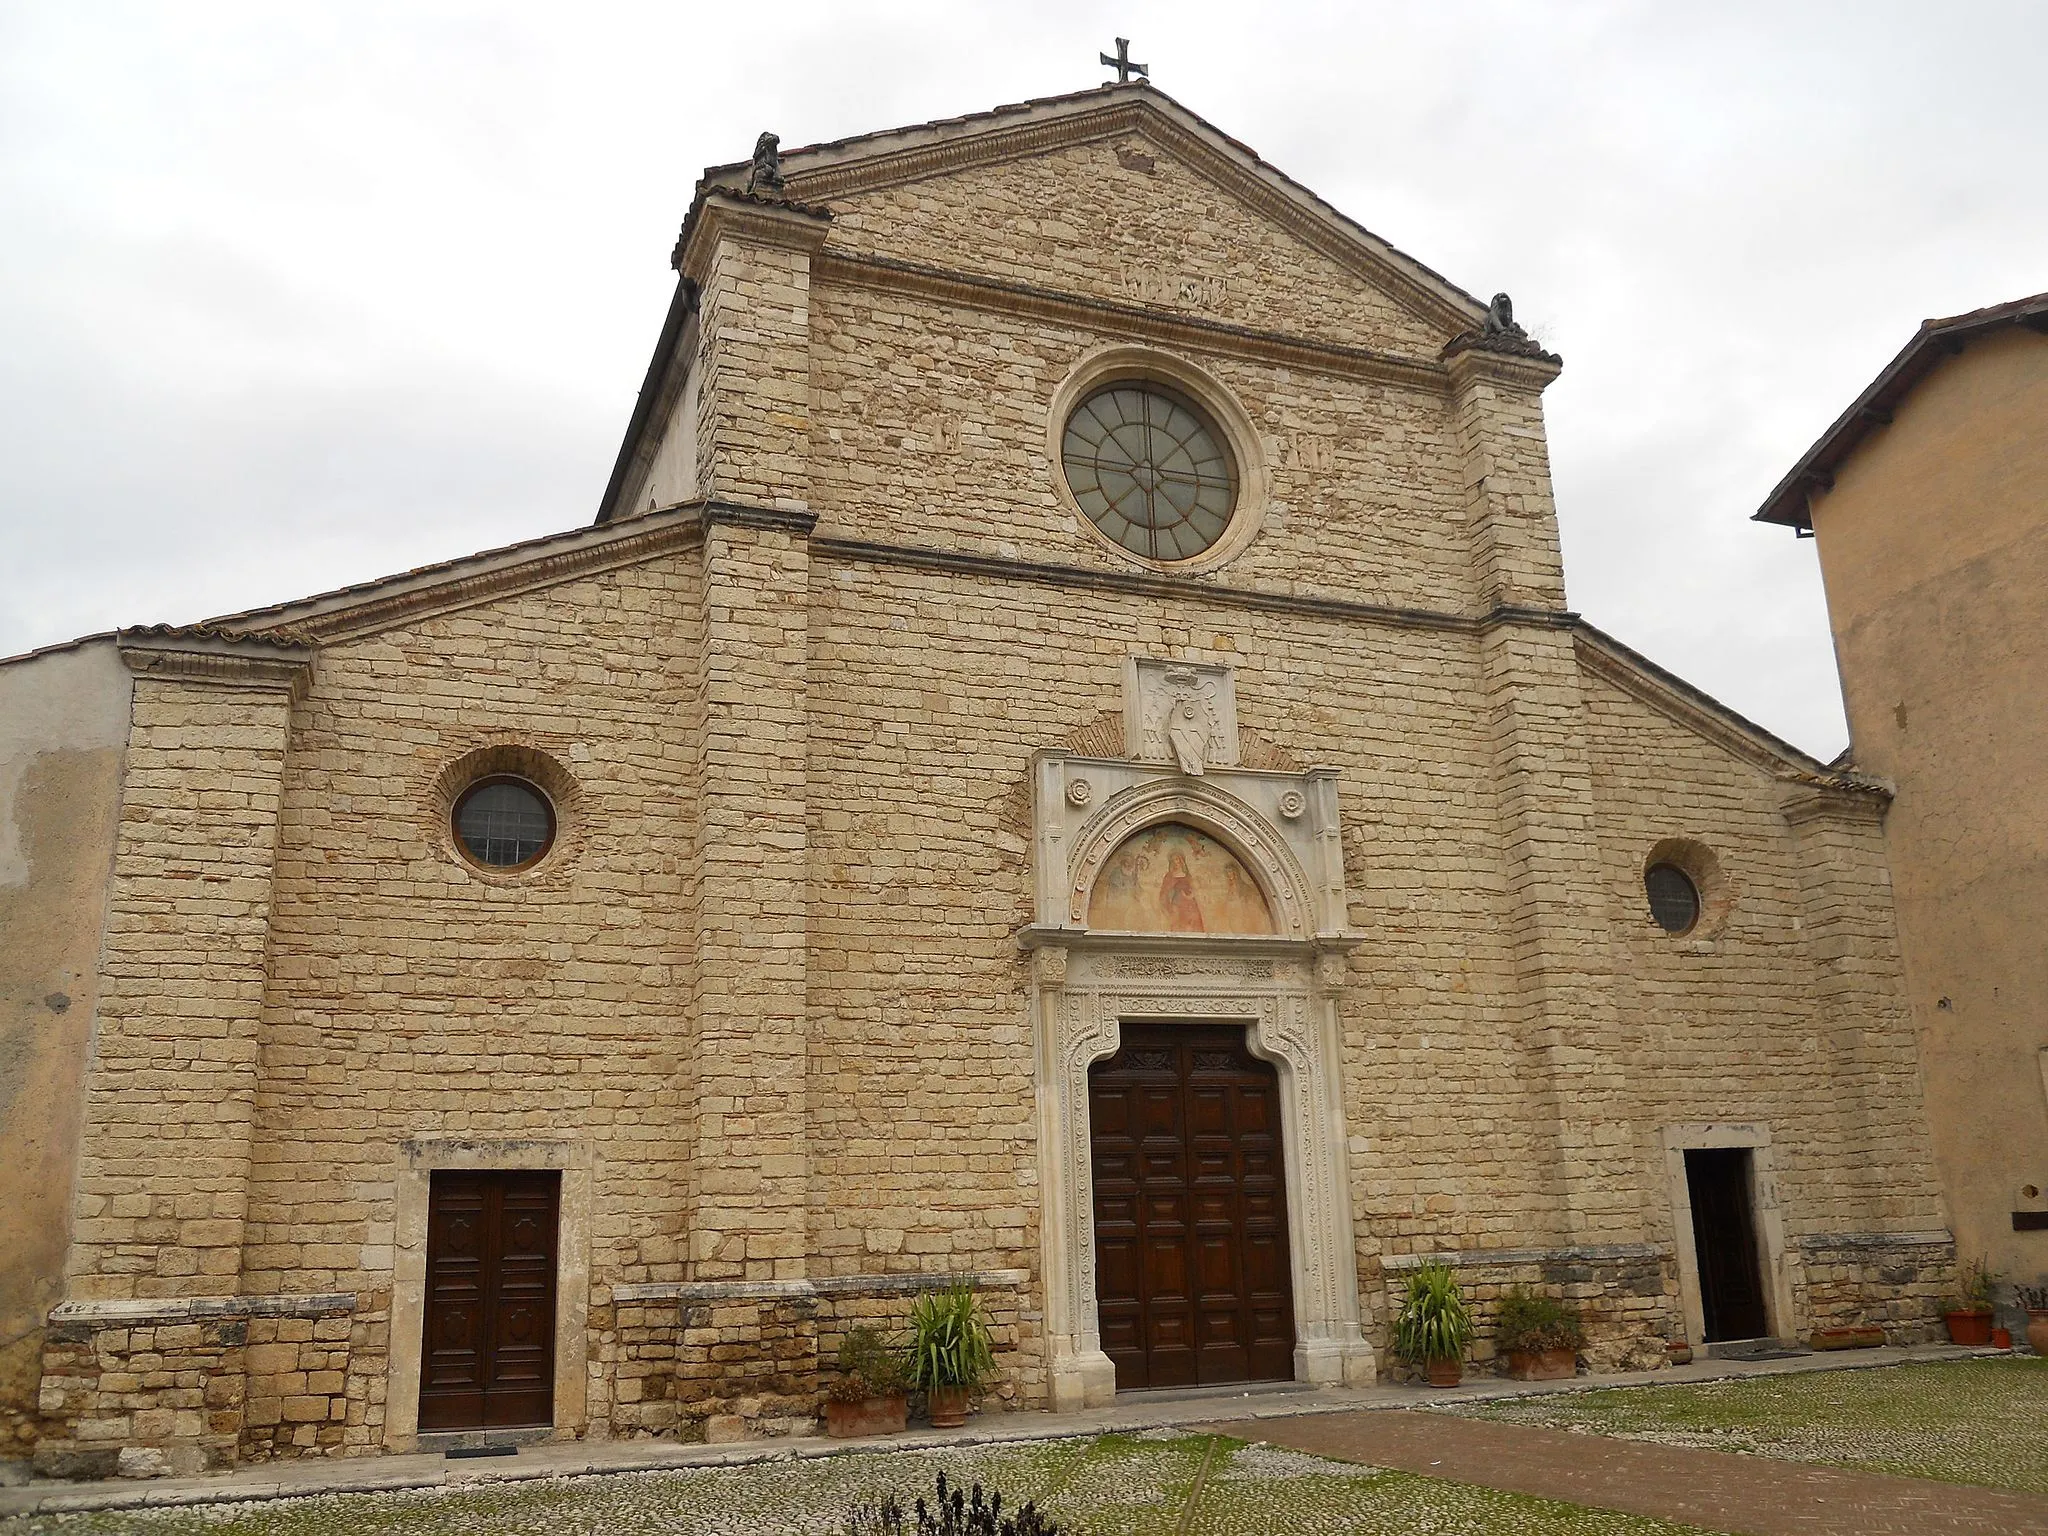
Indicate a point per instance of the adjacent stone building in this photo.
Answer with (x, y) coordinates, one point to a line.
(1062, 759)
(1929, 502)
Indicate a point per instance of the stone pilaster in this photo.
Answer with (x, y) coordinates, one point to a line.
(171, 1090)
(751, 893)
(1557, 917)
(1511, 521)
(752, 264)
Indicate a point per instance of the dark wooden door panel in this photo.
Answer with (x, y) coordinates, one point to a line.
(1192, 1277)
(489, 1352)
(1724, 1242)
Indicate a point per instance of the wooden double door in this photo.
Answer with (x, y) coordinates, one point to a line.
(1192, 1282)
(488, 1360)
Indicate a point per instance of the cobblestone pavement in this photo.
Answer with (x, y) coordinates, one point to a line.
(1159, 1483)
(1714, 1489)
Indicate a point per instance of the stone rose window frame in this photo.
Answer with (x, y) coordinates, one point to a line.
(1175, 375)
(1283, 989)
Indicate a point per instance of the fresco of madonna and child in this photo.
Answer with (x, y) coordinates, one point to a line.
(1174, 879)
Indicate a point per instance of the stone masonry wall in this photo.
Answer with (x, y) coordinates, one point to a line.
(1902, 1287)
(1627, 1300)
(931, 425)
(1132, 221)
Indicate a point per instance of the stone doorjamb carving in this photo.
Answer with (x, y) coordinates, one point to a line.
(1284, 993)
(1086, 984)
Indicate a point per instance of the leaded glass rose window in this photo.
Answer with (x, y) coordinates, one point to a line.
(1150, 470)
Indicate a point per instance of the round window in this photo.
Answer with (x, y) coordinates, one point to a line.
(504, 823)
(1150, 470)
(1674, 899)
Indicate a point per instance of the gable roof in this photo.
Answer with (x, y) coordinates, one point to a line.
(817, 173)
(1932, 345)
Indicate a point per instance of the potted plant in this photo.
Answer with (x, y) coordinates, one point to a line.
(1969, 1321)
(2035, 1299)
(1433, 1326)
(951, 1353)
(1540, 1336)
(868, 1397)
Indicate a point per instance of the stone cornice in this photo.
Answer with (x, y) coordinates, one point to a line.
(725, 215)
(1514, 1258)
(689, 1291)
(434, 590)
(1222, 160)
(1811, 1242)
(1126, 321)
(1858, 804)
(1176, 588)
(1532, 372)
(216, 660)
(131, 1312)
(1647, 683)
(736, 514)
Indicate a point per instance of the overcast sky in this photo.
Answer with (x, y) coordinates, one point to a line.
(294, 295)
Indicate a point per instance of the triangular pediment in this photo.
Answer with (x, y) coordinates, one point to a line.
(1124, 195)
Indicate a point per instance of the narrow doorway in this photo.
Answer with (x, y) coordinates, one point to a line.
(488, 1360)
(1193, 1282)
(1724, 1243)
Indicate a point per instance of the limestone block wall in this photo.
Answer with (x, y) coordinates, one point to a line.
(1626, 1296)
(1747, 1019)
(932, 426)
(1133, 220)
(416, 996)
(164, 1164)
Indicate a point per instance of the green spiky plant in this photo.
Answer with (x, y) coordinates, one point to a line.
(1434, 1323)
(950, 1344)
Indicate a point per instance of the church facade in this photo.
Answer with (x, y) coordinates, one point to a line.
(1063, 759)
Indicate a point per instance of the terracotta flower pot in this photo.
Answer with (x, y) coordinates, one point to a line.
(1445, 1373)
(2001, 1338)
(2037, 1332)
(948, 1407)
(1969, 1327)
(866, 1416)
(1679, 1352)
(1542, 1364)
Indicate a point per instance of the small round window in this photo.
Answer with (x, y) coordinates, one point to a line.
(1674, 899)
(504, 823)
(1150, 470)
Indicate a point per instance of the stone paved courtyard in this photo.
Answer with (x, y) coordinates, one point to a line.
(1159, 1482)
(1963, 1421)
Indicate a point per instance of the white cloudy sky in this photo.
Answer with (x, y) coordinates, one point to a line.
(295, 295)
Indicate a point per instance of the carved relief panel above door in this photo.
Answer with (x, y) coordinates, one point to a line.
(1280, 830)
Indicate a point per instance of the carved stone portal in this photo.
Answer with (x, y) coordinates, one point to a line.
(1086, 982)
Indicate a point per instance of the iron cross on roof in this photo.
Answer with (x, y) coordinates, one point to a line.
(1123, 64)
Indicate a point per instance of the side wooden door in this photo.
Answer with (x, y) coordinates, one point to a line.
(1724, 1242)
(488, 1360)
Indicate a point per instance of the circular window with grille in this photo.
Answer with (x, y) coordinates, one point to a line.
(1150, 469)
(1674, 899)
(504, 823)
